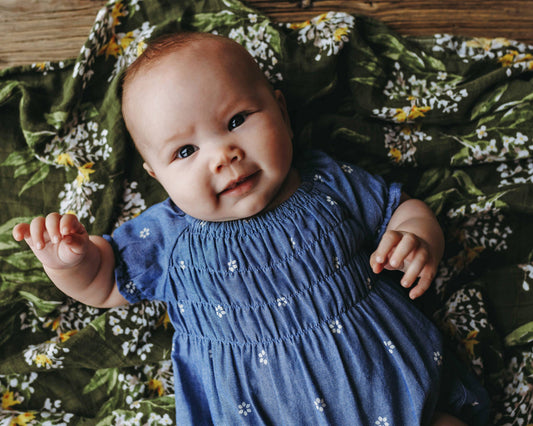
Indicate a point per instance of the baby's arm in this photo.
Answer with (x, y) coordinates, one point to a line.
(81, 266)
(413, 243)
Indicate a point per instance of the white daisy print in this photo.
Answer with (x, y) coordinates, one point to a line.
(437, 357)
(244, 409)
(232, 265)
(320, 404)
(263, 357)
(346, 168)
(331, 200)
(282, 301)
(145, 232)
(335, 327)
(381, 421)
(389, 346)
(220, 311)
(182, 265)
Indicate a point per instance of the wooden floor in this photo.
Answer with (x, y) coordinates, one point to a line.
(40, 30)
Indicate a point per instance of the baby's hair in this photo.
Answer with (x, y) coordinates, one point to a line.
(160, 47)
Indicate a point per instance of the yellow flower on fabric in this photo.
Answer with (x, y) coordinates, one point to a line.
(117, 12)
(470, 341)
(418, 112)
(22, 419)
(323, 17)
(395, 154)
(111, 48)
(126, 40)
(141, 47)
(84, 172)
(8, 400)
(65, 336)
(164, 321)
(299, 25)
(156, 386)
(64, 159)
(400, 115)
(339, 33)
(42, 360)
(506, 60)
(54, 323)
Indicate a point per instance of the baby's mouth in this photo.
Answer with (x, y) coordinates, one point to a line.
(239, 185)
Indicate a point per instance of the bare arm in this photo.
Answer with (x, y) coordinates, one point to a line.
(80, 265)
(412, 243)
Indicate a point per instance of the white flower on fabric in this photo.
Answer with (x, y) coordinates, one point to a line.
(220, 311)
(130, 287)
(244, 409)
(481, 132)
(320, 404)
(382, 421)
(318, 178)
(182, 265)
(181, 308)
(263, 357)
(336, 262)
(232, 265)
(282, 301)
(346, 168)
(293, 243)
(389, 346)
(437, 357)
(331, 200)
(335, 327)
(145, 232)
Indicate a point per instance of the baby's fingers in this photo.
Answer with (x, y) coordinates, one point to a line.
(424, 282)
(70, 225)
(36, 239)
(385, 247)
(21, 231)
(52, 227)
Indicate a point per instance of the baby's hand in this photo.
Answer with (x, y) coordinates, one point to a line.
(406, 252)
(58, 241)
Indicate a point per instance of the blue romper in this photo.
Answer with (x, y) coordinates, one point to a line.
(278, 318)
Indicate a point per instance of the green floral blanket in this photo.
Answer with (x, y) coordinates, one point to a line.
(450, 117)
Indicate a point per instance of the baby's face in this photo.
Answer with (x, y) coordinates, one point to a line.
(212, 132)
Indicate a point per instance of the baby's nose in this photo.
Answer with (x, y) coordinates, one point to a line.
(225, 156)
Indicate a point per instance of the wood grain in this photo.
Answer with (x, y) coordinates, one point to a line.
(50, 30)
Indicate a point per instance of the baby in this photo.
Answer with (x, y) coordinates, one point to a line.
(270, 263)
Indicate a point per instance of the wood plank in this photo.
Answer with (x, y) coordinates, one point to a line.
(50, 30)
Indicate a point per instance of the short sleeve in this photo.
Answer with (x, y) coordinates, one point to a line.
(370, 199)
(142, 248)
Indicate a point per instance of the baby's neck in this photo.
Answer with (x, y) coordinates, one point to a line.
(289, 187)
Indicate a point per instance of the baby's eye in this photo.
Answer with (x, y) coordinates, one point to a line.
(186, 151)
(236, 121)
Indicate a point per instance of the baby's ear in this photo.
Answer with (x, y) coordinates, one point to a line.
(148, 169)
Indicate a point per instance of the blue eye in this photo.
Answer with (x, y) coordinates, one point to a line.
(235, 121)
(186, 151)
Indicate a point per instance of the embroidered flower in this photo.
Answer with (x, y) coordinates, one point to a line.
(145, 232)
(263, 357)
(220, 311)
(346, 168)
(282, 301)
(389, 346)
(182, 265)
(437, 357)
(244, 409)
(232, 265)
(331, 200)
(320, 404)
(335, 327)
(382, 421)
